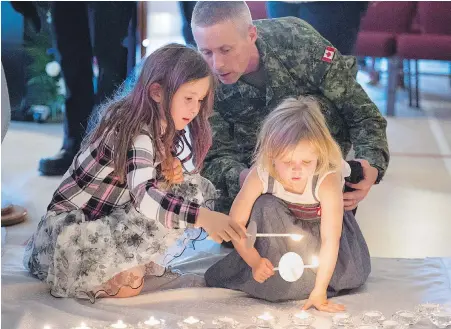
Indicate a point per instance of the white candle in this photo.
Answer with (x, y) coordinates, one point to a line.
(342, 316)
(152, 322)
(303, 315)
(47, 327)
(406, 317)
(266, 317)
(119, 325)
(226, 320)
(390, 324)
(303, 318)
(428, 306)
(341, 319)
(191, 320)
(83, 326)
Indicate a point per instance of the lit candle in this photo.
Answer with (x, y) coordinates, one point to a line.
(372, 317)
(225, 322)
(315, 261)
(119, 325)
(266, 317)
(302, 315)
(152, 322)
(391, 324)
(441, 318)
(82, 326)
(342, 319)
(191, 320)
(406, 317)
(47, 327)
(265, 320)
(427, 308)
(303, 318)
(191, 323)
(296, 237)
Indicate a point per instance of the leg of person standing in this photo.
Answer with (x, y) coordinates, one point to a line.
(111, 21)
(186, 11)
(71, 31)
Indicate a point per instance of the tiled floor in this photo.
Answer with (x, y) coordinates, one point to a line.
(407, 215)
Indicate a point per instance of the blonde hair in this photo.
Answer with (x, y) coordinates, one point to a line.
(291, 122)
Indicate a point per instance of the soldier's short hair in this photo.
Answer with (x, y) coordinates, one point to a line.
(209, 13)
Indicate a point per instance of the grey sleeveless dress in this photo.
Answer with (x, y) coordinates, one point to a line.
(273, 215)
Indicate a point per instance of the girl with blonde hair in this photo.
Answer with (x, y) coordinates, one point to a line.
(296, 186)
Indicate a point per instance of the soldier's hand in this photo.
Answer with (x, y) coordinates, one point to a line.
(352, 199)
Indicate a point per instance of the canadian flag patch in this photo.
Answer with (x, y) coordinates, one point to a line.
(329, 54)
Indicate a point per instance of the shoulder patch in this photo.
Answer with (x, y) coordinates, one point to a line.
(329, 54)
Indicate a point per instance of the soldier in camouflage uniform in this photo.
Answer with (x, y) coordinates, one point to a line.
(259, 64)
(293, 60)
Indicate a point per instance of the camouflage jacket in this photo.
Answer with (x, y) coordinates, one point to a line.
(292, 54)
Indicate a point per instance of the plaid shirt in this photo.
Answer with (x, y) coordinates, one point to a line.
(91, 185)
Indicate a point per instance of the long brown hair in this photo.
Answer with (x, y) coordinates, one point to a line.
(170, 66)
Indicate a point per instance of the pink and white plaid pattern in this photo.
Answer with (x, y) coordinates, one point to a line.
(91, 185)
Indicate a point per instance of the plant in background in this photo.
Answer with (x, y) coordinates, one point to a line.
(46, 90)
(45, 87)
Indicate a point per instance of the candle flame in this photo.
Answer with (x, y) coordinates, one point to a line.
(152, 321)
(191, 320)
(303, 315)
(296, 237)
(266, 316)
(315, 261)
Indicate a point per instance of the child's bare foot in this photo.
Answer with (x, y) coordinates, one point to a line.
(125, 284)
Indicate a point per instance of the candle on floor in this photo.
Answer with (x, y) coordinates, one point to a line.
(427, 308)
(82, 326)
(391, 324)
(372, 317)
(191, 323)
(406, 317)
(191, 320)
(225, 323)
(119, 325)
(303, 318)
(441, 318)
(265, 320)
(342, 319)
(266, 317)
(152, 322)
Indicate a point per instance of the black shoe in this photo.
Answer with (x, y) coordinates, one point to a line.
(58, 164)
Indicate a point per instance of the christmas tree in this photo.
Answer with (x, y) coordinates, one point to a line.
(45, 87)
